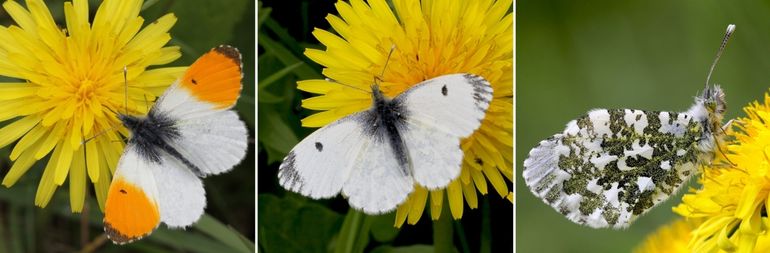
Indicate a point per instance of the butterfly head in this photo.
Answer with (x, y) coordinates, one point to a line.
(713, 99)
(377, 93)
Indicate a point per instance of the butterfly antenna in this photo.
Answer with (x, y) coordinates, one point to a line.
(728, 33)
(376, 78)
(382, 74)
(346, 85)
(125, 85)
(100, 133)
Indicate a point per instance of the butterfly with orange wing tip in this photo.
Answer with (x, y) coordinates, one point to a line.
(189, 133)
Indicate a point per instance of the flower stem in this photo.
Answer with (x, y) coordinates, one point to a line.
(351, 228)
(442, 231)
(486, 230)
(461, 235)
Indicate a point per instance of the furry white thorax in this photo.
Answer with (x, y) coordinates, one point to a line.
(709, 110)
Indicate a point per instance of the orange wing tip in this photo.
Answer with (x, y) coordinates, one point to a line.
(119, 238)
(216, 77)
(129, 214)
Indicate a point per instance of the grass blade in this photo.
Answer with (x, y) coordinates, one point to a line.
(222, 233)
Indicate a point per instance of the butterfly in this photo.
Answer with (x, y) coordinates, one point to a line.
(374, 157)
(189, 133)
(610, 166)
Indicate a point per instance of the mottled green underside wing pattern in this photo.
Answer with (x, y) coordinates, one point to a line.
(610, 166)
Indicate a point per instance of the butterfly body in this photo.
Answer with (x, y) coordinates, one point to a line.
(384, 122)
(610, 166)
(375, 157)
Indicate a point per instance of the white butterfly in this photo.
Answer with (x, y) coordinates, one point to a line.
(189, 133)
(374, 157)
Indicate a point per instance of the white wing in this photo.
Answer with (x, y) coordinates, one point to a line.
(435, 155)
(377, 183)
(132, 207)
(180, 193)
(320, 164)
(342, 156)
(440, 112)
(213, 142)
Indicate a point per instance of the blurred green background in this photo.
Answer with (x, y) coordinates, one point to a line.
(227, 226)
(574, 56)
(289, 222)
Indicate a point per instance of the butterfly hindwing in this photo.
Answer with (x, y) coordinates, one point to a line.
(181, 196)
(440, 112)
(611, 166)
(214, 143)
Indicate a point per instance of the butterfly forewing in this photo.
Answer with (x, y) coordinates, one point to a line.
(131, 210)
(610, 166)
(321, 163)
(440, 112)
(212, 138)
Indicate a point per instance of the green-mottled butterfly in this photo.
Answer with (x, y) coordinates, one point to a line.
(612, 165)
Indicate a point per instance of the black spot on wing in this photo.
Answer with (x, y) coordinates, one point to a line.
(444, 90)
(123, 191)
(319, 146)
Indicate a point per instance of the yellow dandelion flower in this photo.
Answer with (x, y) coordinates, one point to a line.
(671, 238)
(675, 237)
(431, 38)
(733, 199)
(70, 86)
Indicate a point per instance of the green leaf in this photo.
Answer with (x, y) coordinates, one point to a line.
(220, 17)
(274, 133)
(224, 234)
(419, 248)
(185, 240)
(245, 108)
(264, 14)
(442, 230)
(268, 98)
(283, 35)
(382, 227)
(288, 225)
(286, 57)
(354, 234)
(461, 235)
(278, 75)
